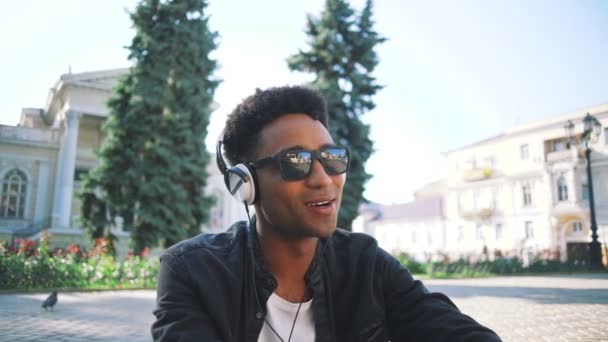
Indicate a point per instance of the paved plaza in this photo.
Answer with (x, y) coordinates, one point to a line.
(78, 316)
(556, 308)
(553, 308)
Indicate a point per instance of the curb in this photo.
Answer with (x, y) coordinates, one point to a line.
(71, 289)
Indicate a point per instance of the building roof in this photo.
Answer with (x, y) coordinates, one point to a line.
(477, 143)
(418, 210)
(554, 121)
(102, 79)
(432, 189)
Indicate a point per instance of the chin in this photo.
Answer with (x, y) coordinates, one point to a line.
(325, 232)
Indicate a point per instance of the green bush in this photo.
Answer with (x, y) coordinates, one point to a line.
(459, 268)
(543, 266)
(506, 266)
(412, 265)
(21, 269)
(500, 266)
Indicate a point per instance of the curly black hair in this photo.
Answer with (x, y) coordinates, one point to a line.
(244, 124)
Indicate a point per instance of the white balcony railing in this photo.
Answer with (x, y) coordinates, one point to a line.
(557, 156)
(480, 214)
(477, 174)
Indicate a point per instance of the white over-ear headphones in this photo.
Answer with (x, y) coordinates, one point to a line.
(239, 179)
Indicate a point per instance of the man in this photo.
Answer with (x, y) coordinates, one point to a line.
(289, 274)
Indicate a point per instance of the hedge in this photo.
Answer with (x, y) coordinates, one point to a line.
(29, 267)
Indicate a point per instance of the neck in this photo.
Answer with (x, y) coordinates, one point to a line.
(288, 260)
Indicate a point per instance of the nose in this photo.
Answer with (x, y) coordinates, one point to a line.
(318, 177)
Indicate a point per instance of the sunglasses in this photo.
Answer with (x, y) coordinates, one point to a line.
(295, 164)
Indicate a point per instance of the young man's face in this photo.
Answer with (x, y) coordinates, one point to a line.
(287, 207)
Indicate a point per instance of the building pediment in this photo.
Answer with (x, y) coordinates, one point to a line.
(86, 92)
(102, 80)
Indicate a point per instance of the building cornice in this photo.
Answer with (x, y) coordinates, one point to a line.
(599, 111)
(497, 181)
(55, 100)
(21, 136)
(526, 175)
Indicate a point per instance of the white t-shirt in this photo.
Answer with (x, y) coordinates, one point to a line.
(281, 314)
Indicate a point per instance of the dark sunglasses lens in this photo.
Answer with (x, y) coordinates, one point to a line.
(295, 165)
(334, 160)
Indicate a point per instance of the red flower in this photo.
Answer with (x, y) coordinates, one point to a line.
(26, 246)
(145, 252)
(73, 248)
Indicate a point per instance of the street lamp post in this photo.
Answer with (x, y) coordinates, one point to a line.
(591, 132)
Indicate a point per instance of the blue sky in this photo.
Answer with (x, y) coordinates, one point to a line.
(454, 71)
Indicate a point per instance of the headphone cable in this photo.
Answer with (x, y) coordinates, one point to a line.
(255, 288)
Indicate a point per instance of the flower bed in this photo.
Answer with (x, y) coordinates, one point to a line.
(28, 266)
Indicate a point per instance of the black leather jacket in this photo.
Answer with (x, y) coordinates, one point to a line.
(210, 289)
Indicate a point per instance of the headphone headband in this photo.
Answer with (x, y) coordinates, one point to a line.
(221, 164)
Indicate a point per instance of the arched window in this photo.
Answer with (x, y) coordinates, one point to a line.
(14, 189)
(562, 189)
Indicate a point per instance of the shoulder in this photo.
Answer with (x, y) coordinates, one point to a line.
(202, 245)
(360, 248)
(358, 255)
(351, 247)
(356, 241)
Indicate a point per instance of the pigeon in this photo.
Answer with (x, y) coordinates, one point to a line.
(50, 301)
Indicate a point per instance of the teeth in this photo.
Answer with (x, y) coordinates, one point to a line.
(318, 204)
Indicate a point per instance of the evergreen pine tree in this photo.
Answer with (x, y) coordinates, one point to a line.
(152, 164)
(341, 55)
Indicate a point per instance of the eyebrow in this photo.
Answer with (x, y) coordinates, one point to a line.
(291, 148)
(300, 147)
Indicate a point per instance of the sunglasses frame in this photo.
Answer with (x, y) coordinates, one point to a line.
(315, 155)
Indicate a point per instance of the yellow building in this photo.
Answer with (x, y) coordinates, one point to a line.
(523, 193)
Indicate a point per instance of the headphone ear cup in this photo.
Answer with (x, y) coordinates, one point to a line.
(240, 181)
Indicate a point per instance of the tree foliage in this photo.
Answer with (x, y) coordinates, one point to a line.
(152, 164)
(341, 56)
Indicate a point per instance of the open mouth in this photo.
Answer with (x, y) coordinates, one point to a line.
(320, 204)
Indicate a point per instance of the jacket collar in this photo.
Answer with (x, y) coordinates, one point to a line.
(315, 277)
(312, 276)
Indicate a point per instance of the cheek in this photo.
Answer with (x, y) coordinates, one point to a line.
(339, 181)
(275, 191)
(285, 192)
(280, 203)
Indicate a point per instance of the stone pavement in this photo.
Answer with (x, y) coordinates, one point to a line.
(78, 316)
(550, 308)
(553, 308)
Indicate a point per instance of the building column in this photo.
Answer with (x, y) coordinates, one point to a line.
(57, 185)
(547, 197)
(66, 169)
(571, 182)
(41, 200)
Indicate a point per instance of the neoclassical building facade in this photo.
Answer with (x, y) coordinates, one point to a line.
(522, 193)
(526, 191)
(43, 158)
